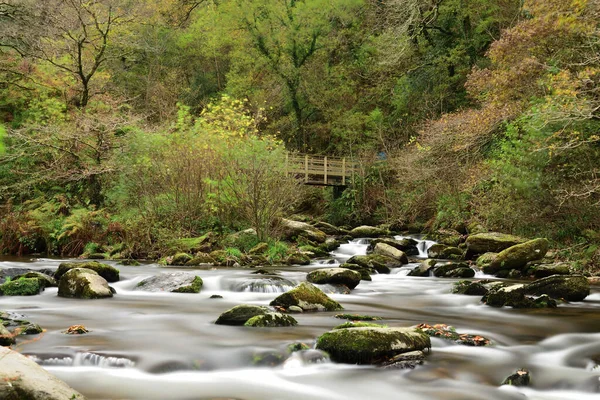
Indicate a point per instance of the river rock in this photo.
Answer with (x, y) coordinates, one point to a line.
(453, 270)
(371, 345)
(407, 245)
(239, 315)
(294, 229)
(45, 280)
(21, 287)
(520, 378)
(544, 270)
(111, 274)
(341, 276)
(200, 259)
(448, 237)
(389, 251)
(271, 320)
(517, 256)
(313, 251)
(366, 231)
(298, 259)
(446, 252)
(570, 288)
(491, 242)
(507, 295)
(308, 297)
(448, 332)
(485, 259)
(408, 360)
(423, 269)
(83, 283)
(380, 263)
(469, 288)
(365, 273)
(22, 378)
(175, 282)
(179, 259)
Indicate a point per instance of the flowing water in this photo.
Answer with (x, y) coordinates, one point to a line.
(166, 346)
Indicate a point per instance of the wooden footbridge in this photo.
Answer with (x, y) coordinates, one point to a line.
(321, 170)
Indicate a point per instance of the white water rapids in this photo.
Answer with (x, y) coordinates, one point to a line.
(146, 346)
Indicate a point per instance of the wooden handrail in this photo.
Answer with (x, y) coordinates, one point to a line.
(323, 170)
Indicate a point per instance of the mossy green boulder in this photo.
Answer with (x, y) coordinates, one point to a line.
(298, 259)
(366, 231)
(292, 230)
(370, 345)
(425, 268)
(491, 242)
(174, 282)
(407, 245)
(200, 259)
(469, 288)
(570, 288)
(385, 249)
(445, 252)
(380, 263)
(45, 280)
(239, 315)
(179, 259)
(22, 287)
(544, 270)
(271, 320)
(365, 273)
(83, 283)
(110, 273)
(340, 276)
(485, 259)
(308, 297)
(453, 270)
(517, 256)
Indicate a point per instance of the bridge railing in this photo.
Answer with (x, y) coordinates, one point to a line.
(321, 170)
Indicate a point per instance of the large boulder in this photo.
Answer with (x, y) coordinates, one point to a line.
(340, 276)
(491, 242)
(366, 231)
(517, 256)
(175, 282)
(83, 283)
(45, 280)
(407, 245)
(439, 250)
(111, 274)
(271, 320)
(570, 288)
(543, 270)
(370, 345)
(424, 268)
(485, 259)
(507, 295)
(448, 237)
(294, 229)
(239, 315)
(308, 297)
(380, 263)
(389, 251)
(22, 378)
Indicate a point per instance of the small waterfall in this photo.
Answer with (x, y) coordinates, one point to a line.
(356, 247)
(422, 245)
(84, 359)
(263, 285)
(304, 358)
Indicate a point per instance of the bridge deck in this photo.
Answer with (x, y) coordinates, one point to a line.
(324, 171)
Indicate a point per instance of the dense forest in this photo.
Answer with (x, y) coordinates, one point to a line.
(134, 123)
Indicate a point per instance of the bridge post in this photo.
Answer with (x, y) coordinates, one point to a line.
(344, 171)
(325, 170)
(287, 163)
(306, 168)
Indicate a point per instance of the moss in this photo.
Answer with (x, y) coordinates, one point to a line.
(180, 259)
(199, 259)
(189, 245)
(84, 284)
(443, 251)
(111, 274)
(371, 345)
(358, 317)
(21, 287)
(491, 242)
(308, 297)
(453, 270)
(364, 272)
(382, 264)
(193, 287)
(368, 231)
(271, 320)
(517, 256)
(359, 324)
(316, 251)
(340, 276)
(298, 259)
(570, 288)
(238, 315)
(485, 259)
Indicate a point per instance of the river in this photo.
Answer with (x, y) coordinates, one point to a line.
(166, 346)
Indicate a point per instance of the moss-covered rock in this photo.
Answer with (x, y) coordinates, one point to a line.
(570, 288)
(294, 229)
(485, 259)
(371, 345)
(45, 280)
(297, 259)
(83, 283)
(469, 288)
(491, 242)
(389, 251)
(308, 297)
(175, 282)
(407, 245)
(453, 270)
(179, 259)
(448, 332)
(448, 237)
(409, 360)
(271, 320)
(365, 273)
(313, 251)
(357, 317)
(544, 270)
(22, 287)
(425, 268)
(239, 315)
(260, 248)
(366, 231)
(359, 324)
(439, 250)
(340, 276)
(193, 245)
(110, 273)
(330, 245)
(380, 263)
(517, 256)
(520, 378)
(221, 257)
(200, 259)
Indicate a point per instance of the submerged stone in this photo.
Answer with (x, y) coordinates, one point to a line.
(371, 345)
(175, 282)
(239, 315)
(520, 378)
(341, 276)
(408, 360)
(308, 297)
(83, 283)
(6, 337)
(111, 274)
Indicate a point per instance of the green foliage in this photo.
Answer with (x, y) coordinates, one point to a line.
(277, 251)
(2, 135)
(233, 252)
